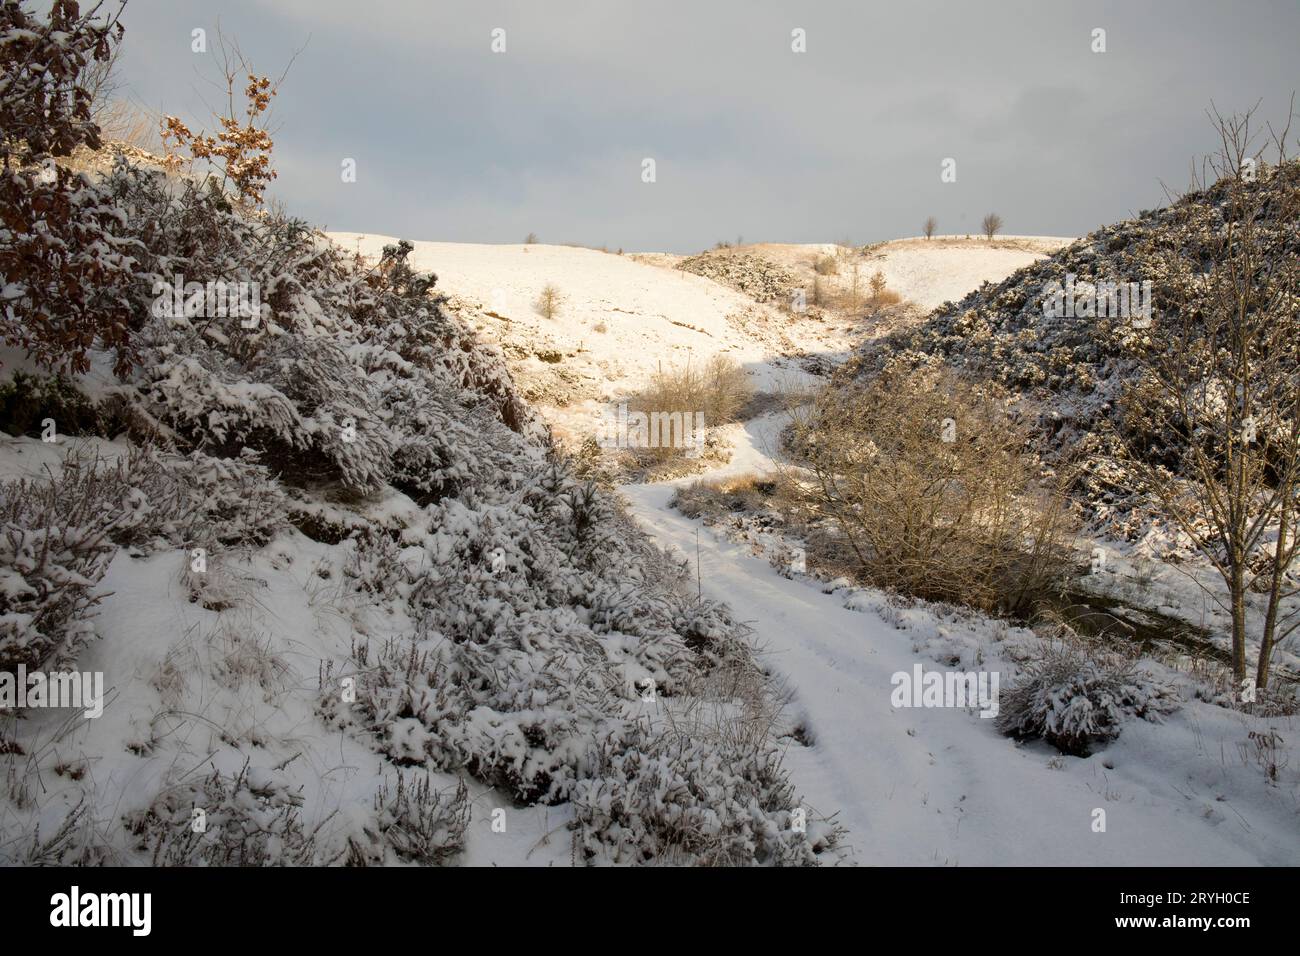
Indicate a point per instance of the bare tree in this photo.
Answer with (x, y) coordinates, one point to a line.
(930, 224)
(548, 302)
(1218, 400)
(991, 224)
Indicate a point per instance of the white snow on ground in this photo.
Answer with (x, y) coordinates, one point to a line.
(637, 304)
(942, 786)
(930, 272)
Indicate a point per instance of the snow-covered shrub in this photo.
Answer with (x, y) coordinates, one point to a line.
(54, 550)
(66, 268)
(26, 401)
(46, 96)
(58, 535)
(515, 709)
(752, 275)
(413, 823)
(439, 443)
(391, 307)
(196, 500)
(374, 564)
(1280, 699)
(710, 501)
(347, 375)
(535, 618)
(250, 818)
(1076, 698)
(666, 799)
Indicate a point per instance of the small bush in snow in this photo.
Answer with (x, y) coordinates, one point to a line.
(668, 800)
(195, 500)
(414, 823)
(1075, 698)
(717, 389)
(880, 294)
(54, 549)
(745, 494)
(252, 818)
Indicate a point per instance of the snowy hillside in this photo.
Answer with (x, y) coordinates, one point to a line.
(1069, 371)
(621, 317)
(617, 321)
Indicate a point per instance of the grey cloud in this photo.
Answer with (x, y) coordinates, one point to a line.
(455, 143)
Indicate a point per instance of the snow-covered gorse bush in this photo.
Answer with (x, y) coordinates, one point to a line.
(1077, 698)
(351, 377)
(663, 799)
(753, 275)
(536, 611)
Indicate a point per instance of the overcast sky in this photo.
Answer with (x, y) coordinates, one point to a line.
(455, 142)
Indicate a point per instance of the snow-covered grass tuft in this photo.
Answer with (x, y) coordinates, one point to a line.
(250, 818)
(414, 823)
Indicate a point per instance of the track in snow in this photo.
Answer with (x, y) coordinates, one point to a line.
(926, 786)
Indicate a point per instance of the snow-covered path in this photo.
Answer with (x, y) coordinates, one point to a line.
(941, 786)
